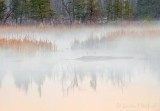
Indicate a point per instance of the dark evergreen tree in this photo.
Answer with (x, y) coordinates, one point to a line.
(117, 9)
(93, 10)
(2, 10)
(80, 9)
(109, 9)
(15, 10)
(148, 9)
(127, 10)
(40, 10)
(20, 10)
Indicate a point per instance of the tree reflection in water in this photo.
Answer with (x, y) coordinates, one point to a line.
(72, 74)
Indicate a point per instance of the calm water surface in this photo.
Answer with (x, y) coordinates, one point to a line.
(124, 77)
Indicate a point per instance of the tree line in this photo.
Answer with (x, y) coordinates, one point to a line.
(23, 11)
(79, 11)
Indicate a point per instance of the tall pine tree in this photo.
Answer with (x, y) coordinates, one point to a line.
(117, 9)
(2, 9)
(80, 9)
(127, 10)
(20, 10)
(109, 9)
(93, 10)
(148, 9)
(41, 10)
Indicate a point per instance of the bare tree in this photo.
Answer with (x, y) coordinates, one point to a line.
(7, 13)
(68, 6)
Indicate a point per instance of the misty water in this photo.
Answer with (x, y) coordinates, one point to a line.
(85, 73)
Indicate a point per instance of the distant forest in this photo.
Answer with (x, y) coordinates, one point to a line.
(23, 12)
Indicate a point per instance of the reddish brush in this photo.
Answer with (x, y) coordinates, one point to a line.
(26, 44)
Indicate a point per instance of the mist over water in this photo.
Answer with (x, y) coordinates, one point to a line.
(114, 74)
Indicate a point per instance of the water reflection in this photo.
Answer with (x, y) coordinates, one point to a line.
(46, 83)
(84, 74)
(72, 74)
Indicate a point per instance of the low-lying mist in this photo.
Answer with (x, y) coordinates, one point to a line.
(117, 55)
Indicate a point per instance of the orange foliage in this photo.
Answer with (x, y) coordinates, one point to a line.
(133, 33)
(26, 45)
